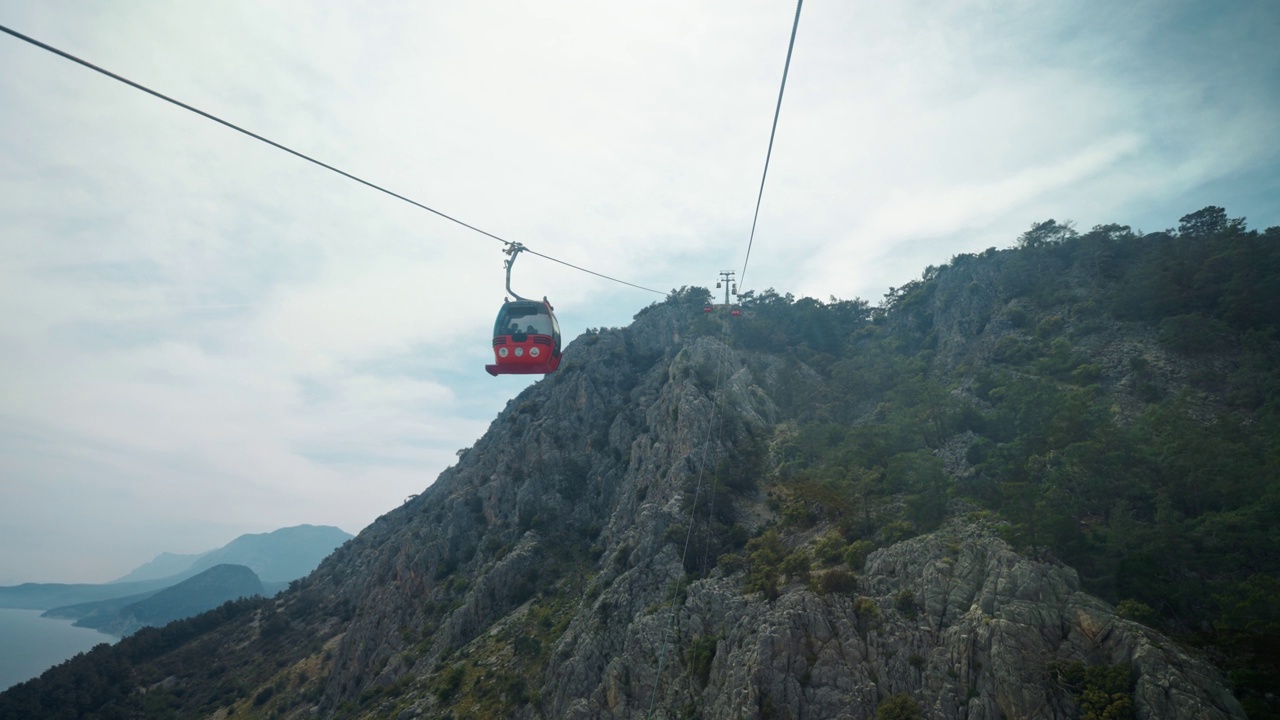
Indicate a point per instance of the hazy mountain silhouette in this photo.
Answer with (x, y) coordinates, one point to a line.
(203, 591)
(276, 557)
(279, 556)
(165, 565)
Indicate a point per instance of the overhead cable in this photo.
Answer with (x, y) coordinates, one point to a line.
(291, 151)
(776, 112)
(592, 272)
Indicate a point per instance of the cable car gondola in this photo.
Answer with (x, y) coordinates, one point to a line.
(526, 335)
(526, 339)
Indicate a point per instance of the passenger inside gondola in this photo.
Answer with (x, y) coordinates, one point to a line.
(534, 323)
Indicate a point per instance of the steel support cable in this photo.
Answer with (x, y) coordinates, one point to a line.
(711, 421)
(776, 112)
(592, 272)
(210, 116)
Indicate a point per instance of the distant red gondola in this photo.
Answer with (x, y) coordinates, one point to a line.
(526, 335)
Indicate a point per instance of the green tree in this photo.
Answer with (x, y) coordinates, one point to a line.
(898, 707)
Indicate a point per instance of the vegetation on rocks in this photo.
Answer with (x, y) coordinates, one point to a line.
(1111, 398)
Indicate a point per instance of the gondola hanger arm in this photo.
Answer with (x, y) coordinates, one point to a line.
(513, 250)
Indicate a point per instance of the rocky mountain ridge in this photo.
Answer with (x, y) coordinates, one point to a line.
(980, 643)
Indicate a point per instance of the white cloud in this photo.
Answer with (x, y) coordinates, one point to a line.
(203, 336)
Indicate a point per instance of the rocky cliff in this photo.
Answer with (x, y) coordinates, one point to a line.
(541, 577)
(630, 539)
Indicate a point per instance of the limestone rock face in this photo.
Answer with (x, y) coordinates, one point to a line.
(977, 641)
(554, 573)
(992, 621)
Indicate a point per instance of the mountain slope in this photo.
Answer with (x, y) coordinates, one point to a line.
(816, 510)
(97, 608)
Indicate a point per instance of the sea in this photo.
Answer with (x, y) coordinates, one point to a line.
(30, 644)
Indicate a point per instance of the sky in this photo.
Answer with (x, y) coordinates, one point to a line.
(202, 336)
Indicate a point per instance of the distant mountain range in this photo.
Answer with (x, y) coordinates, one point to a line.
(42, 596)
(204, 591)
(280, 556)
(275, 558)
(164, 566)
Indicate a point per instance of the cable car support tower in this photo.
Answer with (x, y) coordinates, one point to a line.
(726, 279)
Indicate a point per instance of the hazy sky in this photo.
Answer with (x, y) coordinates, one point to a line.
(201, 336)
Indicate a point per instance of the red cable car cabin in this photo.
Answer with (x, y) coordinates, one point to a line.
(526, 339)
